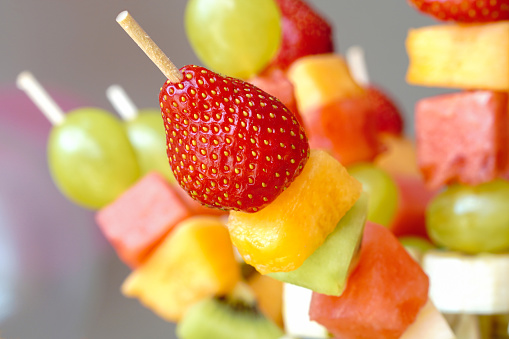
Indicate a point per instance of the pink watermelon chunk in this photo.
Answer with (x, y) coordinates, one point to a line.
(139, 219)
(462, 137)
(384, 293)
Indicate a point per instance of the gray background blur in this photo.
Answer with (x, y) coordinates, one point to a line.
(77, 46)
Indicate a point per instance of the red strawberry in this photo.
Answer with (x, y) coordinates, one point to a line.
(305, 32)
(387, 116)
(230, 145)
(275, 82)
(466, 11)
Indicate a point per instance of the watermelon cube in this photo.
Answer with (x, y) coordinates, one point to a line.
(136, 221)
(462, 137)
(383, 296)
(410, 218)
(346, 129)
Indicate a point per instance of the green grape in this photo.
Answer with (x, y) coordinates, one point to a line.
(237, 38)
(420, 244)
(146, 133)
(90, 157)
(471, 219)
(382, 190)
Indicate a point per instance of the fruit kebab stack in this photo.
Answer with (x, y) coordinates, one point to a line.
(236, 147)
(296, 214)
(463, 149)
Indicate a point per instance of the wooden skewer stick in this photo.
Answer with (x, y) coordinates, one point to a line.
(357, 65)
(119, 99)
(149, 47)
(29, 84)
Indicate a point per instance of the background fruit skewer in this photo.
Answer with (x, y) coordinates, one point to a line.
(80, 143)
(122, 103)
(29, 84)
(145, 131)
(467, 171)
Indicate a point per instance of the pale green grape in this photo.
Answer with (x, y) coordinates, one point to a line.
(420, 244)
(382, 191)
(90, 157)
(146, 133)
(471, 219)
(237, 38)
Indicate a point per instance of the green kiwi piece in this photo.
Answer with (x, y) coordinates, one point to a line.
(327, 269)
(226, 318)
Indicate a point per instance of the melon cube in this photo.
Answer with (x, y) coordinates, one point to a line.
(280, 237)
(194, 262)
(460, 56)
(137, 220)
(320, 80)
(462, 137)
(383, 295)
(327, 269)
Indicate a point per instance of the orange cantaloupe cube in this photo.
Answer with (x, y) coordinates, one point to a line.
(280, 237)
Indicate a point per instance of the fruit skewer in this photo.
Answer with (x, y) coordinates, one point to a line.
(254, 222)
(468, 217)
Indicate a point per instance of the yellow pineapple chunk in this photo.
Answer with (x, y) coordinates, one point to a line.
(459, 56)
(320, 80)
(194, 262)
(280, 237)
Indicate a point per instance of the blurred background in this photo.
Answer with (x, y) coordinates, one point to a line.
(59, 279)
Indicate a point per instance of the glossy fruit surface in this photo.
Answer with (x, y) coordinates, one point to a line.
(465, 11)
(275, 82)
(388, 287)
(146, 133)
(471, 219)
(326, 271)
(382, 192)
(90, 157)
(237, 38)
(305, 32)
(230, 144)
(283, 235)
